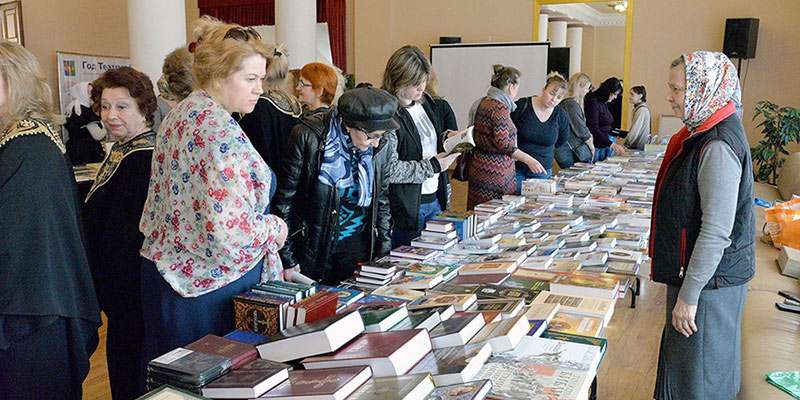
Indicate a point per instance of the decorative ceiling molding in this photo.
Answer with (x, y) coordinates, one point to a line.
(579, 12)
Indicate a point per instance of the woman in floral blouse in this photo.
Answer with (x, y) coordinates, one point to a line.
(208, 234)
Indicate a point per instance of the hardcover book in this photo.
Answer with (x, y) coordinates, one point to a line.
(405, 387)
(388, 353)
(192, 367)
(252, 380)
(575, 324)
(259, 314)
(456, 331)
(416, 253)
(453, 365)
(320, 337)
(508, 307)
(398, 293)
(586, 285)
(346, 296)
(460, 302)
(239, 353)
(330, 383)
(497, 267)
(502, 292)
(503, 335)
(579, 304)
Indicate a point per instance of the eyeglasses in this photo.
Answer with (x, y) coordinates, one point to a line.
(303, 84)
(370, 136)
(242, 33)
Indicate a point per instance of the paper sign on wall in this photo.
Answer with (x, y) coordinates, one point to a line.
(75, 68)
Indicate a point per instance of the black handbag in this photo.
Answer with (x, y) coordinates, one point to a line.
(461, 170)
(574, 150)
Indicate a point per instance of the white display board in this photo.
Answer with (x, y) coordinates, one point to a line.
(74, 68)
(465, 70)
(323, 40)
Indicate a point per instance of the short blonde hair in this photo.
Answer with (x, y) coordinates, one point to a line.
(27, 93)
(221, 48)
(555, 79)
(578, 79)
(407, 67)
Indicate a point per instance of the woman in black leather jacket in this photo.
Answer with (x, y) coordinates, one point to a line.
(334, 185)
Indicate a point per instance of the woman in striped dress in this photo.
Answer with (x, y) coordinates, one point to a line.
(491, 169)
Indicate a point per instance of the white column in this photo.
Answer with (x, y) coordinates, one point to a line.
(543, 18)
(575, 44)
(155, 27)
(296, 27)
(557, 33)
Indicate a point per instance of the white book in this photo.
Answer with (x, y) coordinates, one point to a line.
(460, 142)
(578, 304)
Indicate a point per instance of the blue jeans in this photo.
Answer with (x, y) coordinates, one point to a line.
(522, 174)
(426, 212)
(601, 153)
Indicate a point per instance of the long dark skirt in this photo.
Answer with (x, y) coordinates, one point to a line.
(706, 365)
(172, 321)
(51, 363)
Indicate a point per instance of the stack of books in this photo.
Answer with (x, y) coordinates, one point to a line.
(186, 369)
(533, 187)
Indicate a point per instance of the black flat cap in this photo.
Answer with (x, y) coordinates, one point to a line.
(368, 109)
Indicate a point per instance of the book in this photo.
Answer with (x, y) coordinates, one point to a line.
(192, 368)
(575, 324)
(625, 255)
(423, 319)
(347, 296)
(460, 302)
(507, 307)
(488, 316)
(245, 337)
(319, 337)
(435, 243)
(459, 143)
(502, 292)
(789, 261)
(239, 353)
(456, 331)
(406, 387)
(450, 288)
(445, 312)
(398, 292)
(380, 317)
(318, 306)
(482, 268)
(416, 253)
(537, 262)
(542, 311)
(473, 390)
(252, 380)
(439, 235)
(479, 279)
(439, 226)
(425, 269)
(454, 365)
(167, 392)
(387, 353)
(578, 304)
(313, 384)
(417, 281)
(622, 267)
(504, 335)
(601, 343)
(586, 285)
(260, 313)
(538, 327)
(542, 369)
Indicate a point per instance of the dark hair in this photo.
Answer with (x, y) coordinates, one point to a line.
(138, 85)
(502, 76)
(363, 84)
(609, 86)
(641, 91)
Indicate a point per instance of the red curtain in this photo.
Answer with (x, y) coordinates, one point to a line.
(262, 12)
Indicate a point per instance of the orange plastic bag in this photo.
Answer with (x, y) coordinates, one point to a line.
(783, 223)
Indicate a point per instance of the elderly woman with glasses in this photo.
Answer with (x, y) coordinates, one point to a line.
(206, 222)
(702, 239)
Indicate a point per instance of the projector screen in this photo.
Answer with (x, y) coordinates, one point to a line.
(465, 70)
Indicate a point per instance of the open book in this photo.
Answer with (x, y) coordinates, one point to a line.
(460, 143)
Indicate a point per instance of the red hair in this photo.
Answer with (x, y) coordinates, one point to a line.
(321, 76)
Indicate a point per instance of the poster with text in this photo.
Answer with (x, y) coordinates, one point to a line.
(75, 68)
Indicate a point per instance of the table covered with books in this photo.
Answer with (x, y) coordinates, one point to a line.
(509, 301)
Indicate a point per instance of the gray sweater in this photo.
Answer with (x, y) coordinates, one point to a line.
(577, 120)
(719, 171)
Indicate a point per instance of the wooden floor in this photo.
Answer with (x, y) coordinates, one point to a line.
(628, 371)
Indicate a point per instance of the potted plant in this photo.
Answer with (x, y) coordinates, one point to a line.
(781, 126)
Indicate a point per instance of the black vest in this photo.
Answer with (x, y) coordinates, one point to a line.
(677, 214)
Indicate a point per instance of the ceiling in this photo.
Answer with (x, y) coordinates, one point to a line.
(585, 14)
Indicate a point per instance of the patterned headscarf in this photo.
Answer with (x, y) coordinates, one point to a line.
(711, 83)
(336, 170)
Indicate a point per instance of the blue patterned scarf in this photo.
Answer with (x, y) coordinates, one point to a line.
(336, 171)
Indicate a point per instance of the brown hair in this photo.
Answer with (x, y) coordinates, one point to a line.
(177, 72)
(137, 84)
(27, 93)
(322, 77)
(432, 88)
(503, 76)
(221, 48)
(406, 67)
(640, 90)
(555, 79)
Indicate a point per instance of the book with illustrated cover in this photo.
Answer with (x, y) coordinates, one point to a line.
(245, 337)
(445, 312)
(417, 282)
(330, 383)
(575, 324)
(239, 353)
(449, 288)
(397, 262)
(346, 296)
(495, 267)
(423, 319)
(542, 369)
(622, 267)
(579, 305)
(508, 307)
(502, 292)
(416, 253)
(488, 316)
(432, 242)
(602, 343)
(252, 380)
(405, 387)
(455, 364)
(387, 353)
(460, 302)
(259, 314)
(542, 311)
(473, 390)
(425, 269)
(380, 317)
(439, 226)
(460, 143)
(398, 292)
(603, 287)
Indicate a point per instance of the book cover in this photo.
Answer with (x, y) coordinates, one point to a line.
(339, 382)
(239, 353)
(577, 304)
(398, 293)
(464, 327)
(502, 292)
(601, 343)
(417, 281)
(252, 380)
(245, 337)
(415, 386)
(479, 279)
(542, 311)
(347, 296)
(473, 390)
(542, 369)
(425, 270)
(496, 267)
(255, 313)
(575, 324)
(460, 301)
(488, 316)
(378, 317)
(508, 307)
(190, 366)
(417, 253)
(456, 360)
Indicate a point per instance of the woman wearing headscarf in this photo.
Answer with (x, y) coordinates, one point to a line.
(83, 129)
(702, 241)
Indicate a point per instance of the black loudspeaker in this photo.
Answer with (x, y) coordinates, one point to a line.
(449, 39)
(741, 37)
(558, 61)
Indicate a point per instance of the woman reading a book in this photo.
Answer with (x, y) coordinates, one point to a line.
(541, 127)
(702, 239)
(48, 309)
(419, 138)
(491, 169)
(125, 100)
(334, 186)
(206, 222)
